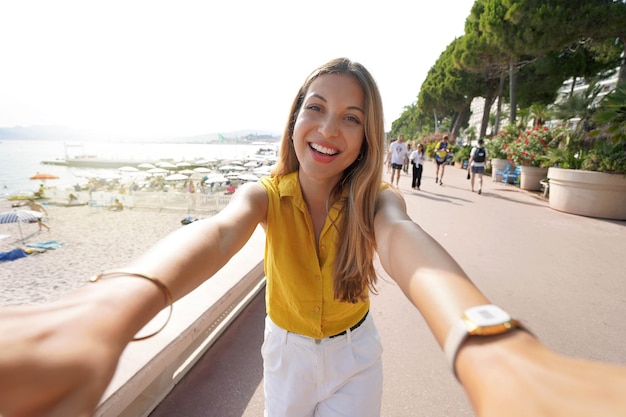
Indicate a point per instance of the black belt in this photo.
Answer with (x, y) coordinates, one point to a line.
(353, 328)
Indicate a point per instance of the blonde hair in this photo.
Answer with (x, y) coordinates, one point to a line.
(361, 181)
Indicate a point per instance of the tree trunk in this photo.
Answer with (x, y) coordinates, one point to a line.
(512, 92)
(461, 118)
(489, 97)
(622, 69)
(496, 126)
(571, 90)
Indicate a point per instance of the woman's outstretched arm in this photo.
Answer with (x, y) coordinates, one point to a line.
(56, 359)
(512, 374)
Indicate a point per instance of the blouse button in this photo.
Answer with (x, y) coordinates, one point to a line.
(317, 277)
(316, 309)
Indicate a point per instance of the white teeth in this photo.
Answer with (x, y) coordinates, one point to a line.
(323, 149)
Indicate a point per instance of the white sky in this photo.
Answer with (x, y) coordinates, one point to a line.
(176, 68)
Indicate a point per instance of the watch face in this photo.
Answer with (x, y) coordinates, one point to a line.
(487, 315)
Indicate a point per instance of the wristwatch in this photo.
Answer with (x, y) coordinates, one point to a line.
(484, 320)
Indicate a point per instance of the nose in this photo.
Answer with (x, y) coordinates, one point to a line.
(328, 126)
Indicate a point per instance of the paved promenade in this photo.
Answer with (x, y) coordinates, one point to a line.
(563, 275)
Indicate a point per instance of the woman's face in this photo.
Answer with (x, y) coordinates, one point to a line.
(329, 130)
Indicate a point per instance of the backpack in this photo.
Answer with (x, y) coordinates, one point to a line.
(480, 154)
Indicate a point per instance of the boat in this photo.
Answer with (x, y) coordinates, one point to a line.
(93, 162)
(84, 160)
(268, 150)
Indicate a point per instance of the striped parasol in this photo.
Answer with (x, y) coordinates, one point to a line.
(20, 216)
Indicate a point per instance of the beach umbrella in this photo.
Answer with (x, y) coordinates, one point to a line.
(248, 177)
(216, 179)
(176, 177)
(251, 164)
(44, 176)
(128, 169)
(168, 165)
(202, 170)
(20, 216)
(187, 171)
(146, 165)
(157, 171)
(231, 168)
(108, 176)
(183, 164)
(226, 167)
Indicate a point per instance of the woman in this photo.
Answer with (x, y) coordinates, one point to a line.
(57, 360)
(417, 161)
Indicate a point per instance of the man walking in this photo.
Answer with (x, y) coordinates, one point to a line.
(398, 151)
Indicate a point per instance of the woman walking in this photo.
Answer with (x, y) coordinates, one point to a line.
(417, 159)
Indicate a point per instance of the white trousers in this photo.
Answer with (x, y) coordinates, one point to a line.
(338, 377)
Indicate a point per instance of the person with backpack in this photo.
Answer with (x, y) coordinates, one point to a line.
(478, 159)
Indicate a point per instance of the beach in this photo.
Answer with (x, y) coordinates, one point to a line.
(94, 239)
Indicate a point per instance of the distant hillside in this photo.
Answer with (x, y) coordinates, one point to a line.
(236, 136)
(41, 133)
(69, 134)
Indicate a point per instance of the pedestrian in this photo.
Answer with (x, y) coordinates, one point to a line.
(35, 206)
(405, 164)
(327, 214)
(398, 151)
(417, 162)
(387, 162)
(442, 155)
(478, 158)
(116, 206)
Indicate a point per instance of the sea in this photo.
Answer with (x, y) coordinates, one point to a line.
(21, 159)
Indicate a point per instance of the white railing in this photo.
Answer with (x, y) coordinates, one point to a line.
(150, 369)
(160, 200)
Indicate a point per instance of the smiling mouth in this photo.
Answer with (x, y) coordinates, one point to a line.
(323, 150)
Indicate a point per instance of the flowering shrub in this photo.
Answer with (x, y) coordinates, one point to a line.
(496, 146)
(532, 146)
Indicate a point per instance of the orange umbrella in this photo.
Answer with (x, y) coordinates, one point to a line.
(44, 176)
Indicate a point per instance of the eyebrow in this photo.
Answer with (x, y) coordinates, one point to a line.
(326, 101)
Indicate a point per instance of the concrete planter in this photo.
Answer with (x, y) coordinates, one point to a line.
(588, 193)
(530, 177)
(497, 166)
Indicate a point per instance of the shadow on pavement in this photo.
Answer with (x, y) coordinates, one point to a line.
(224, 380)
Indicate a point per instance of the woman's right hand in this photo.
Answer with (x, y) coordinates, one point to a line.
(57, 359)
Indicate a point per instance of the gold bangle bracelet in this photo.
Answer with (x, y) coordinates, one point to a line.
(166, 292)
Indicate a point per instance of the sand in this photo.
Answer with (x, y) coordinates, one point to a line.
(95, 239)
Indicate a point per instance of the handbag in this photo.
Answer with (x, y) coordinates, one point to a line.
(468, 175)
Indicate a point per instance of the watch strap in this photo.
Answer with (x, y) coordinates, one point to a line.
(455, 339)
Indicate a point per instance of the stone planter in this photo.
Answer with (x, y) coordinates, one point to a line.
(588, 193)
(530, 177)
(497, 166)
